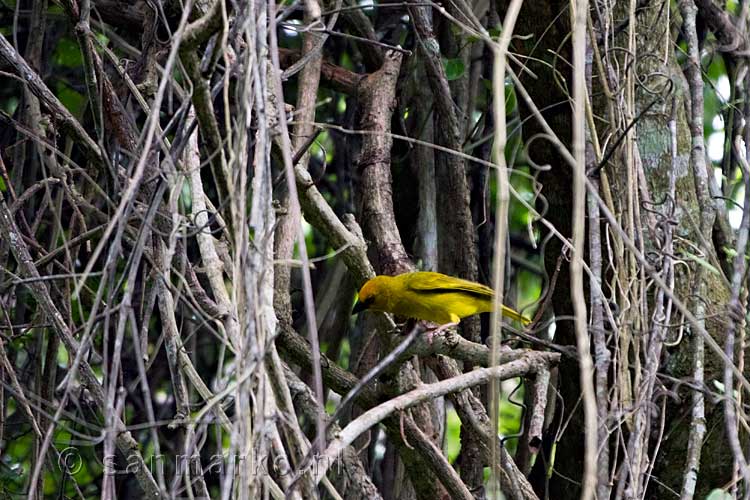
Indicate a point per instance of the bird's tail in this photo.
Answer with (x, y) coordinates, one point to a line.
(513, 314)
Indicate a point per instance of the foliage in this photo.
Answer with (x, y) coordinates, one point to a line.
(161, 329)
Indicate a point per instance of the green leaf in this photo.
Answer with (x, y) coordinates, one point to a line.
(10, 105)
(722, 389)
(452, 435)
(704, 263)
(454, 68)
(67, 54)
(186, 196)
(62, 356)
(718, 494)
(510, 98)
(102, 38)
(71, 99)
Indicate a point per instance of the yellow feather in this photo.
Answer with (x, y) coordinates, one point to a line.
(434, 297)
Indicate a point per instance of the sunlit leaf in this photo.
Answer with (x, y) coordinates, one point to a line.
(718, 494)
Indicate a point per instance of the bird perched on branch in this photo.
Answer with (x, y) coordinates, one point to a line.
(429, 296)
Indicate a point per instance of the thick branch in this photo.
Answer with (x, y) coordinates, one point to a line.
(377, 96)
(340, 79)
(425, 393)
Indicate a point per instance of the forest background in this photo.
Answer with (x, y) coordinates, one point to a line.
(192, 192)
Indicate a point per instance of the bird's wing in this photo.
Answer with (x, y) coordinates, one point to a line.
(436, 282)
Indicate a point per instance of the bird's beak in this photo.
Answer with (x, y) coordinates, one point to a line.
(359, 307)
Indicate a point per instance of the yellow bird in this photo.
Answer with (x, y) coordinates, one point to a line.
(429, 296)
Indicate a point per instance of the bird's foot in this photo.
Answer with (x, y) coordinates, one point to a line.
(431, 334)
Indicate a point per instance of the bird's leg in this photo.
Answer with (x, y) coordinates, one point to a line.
(408, 326)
